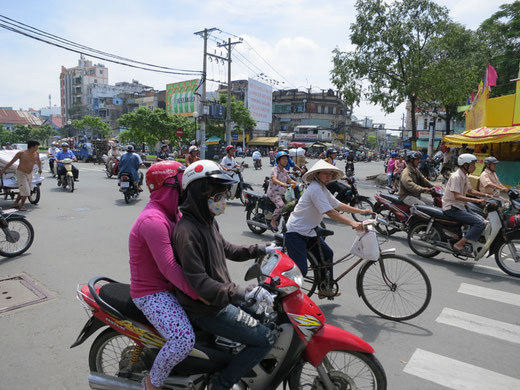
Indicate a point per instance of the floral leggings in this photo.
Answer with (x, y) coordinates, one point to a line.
(169, 318)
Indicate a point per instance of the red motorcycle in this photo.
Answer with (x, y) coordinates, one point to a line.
(308, 353)
(115, 168)
(396, 214)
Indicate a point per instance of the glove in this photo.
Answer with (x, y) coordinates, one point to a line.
(270, 248)
(260, 294)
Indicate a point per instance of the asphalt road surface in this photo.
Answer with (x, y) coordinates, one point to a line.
(468, 338)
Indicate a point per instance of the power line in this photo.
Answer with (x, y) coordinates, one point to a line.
(64, 44)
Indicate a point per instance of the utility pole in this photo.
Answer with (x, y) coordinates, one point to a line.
(229, 45)
(202, 140)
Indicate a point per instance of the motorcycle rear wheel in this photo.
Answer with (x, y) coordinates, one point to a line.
(251, 214)
(419, 229)
(23, 233)
(504, 258)
(346, 369)
(127, 197)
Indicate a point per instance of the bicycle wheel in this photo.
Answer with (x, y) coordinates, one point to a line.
(404, 295)
(20, 239)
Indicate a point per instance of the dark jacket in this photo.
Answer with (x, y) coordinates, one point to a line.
(412, 181)
(202, 251)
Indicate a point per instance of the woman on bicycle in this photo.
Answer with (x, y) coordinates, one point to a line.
(154, 272)
(280, 181)
(315, 202)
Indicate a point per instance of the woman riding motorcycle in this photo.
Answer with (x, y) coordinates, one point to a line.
(154, 271)
(280, 181)
(193, 155)
(202, 252)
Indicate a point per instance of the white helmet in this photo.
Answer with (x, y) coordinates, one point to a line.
(206, 169)
(466, 158)
(193, 148)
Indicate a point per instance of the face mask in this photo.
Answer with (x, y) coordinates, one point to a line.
(217, 204)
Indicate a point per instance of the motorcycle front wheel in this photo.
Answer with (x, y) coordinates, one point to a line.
(70, 183)
(22, 237)
(345, 369)
(504, 258)
(418, 232)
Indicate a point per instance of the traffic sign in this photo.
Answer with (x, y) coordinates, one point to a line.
(179, 132)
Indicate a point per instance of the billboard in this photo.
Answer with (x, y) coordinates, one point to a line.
(181, 98)
(260, 103)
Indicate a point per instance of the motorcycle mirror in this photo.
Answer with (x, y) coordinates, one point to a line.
(253, 272)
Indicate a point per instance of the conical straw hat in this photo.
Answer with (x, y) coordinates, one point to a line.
(321, 166)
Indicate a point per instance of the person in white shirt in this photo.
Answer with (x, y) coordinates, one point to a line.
(52, 152)
(315, 202)
(257, 158)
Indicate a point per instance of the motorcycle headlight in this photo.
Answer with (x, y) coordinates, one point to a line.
(296, 276)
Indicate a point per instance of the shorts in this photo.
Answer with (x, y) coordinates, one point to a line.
(24, 182)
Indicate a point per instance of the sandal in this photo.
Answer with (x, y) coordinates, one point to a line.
(462, 252)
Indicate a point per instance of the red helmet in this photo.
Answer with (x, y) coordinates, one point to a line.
(229, 147)
(157, 174)
(514, 222)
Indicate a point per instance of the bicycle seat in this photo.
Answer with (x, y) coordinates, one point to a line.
(392, 198)
(321, 232)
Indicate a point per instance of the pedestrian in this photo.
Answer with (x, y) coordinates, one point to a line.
(28, 158)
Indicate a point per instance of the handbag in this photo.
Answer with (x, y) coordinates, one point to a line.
(366, 245)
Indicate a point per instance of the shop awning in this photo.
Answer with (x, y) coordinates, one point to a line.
(297, 144)
(485, 135)
(267, 141)
(214, 140)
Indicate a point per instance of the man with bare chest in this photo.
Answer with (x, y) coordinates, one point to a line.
(28, 158)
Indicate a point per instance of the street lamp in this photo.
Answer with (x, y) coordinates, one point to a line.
(69, 123)
(195, 115)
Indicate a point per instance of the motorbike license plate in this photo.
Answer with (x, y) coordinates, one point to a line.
(125, 184)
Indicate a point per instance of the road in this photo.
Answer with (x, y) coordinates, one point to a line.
(466, 339)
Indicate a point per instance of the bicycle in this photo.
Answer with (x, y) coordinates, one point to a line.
(399, 289)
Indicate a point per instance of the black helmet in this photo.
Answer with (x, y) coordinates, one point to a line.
(331, 151)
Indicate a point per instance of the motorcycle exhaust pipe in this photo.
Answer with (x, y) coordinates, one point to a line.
(100, 381)
(430, 246)
(258, 224)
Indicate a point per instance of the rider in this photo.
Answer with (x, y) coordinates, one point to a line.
(113, 154)
(63, 154)
(488, 182)
(390, 167)
(290, 163)
(163, 154)
(399, 165)
(202, 252)
(228, 163)
(154, 270)
(308, 214)
(413, 183)
(280, 181)
(52, 155)
(257, 157)
(335, 186)
(192, 156)
(455, 199)
(130, 163)
(349, 161)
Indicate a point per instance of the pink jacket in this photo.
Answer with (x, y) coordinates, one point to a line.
(153, 267)
(391, 165)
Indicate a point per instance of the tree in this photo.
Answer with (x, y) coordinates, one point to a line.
(95, 124)
(21, 134)
(501, 34)
(372, 141)
(390, 53)
(150, 127)
(240, 116)
(42, 133)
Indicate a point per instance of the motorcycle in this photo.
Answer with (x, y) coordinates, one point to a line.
(115, 168)
(431, 168)
(431, 231)
(395, 213)
(349, 168)
(17, 233)
(308, 352)
(53, 166)
(237, 190)
(127, 187)
(351, 197)
(257, 163)
(67, 180)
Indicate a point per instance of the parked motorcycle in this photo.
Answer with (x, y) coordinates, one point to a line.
(352, 197)
(127, 187)
(237, 190)
(308, 352)
(257, 163)
(67, 180)
(431, 231)
(395, 213)
(115, 168)
(17, 233)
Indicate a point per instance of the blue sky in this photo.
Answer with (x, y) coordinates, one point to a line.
(296, 38)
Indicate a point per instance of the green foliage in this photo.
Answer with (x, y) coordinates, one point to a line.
(147, 126)
(501, 35)
(21, 134)
(42, 133)
(390, 59)
(372, 141)
(95, 124)
(240, 116)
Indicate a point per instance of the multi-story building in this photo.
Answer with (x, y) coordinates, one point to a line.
(74, 83)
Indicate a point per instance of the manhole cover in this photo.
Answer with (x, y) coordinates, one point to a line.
(20, 291)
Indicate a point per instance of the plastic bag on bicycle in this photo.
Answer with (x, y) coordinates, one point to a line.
(366, 245)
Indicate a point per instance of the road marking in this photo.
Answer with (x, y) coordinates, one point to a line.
(455, 374)
(489, 293)
(481, 325)
(488, 270)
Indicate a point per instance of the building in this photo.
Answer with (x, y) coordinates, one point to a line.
(74, 87)
(9, 118)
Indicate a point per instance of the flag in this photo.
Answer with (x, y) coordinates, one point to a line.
(491, 75)
(472, 96)
(480, 87)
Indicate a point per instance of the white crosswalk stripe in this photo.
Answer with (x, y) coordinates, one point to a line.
(489, 293)
(455, 374)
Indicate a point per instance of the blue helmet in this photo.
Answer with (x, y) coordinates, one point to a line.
(280, 154)
(394, 154)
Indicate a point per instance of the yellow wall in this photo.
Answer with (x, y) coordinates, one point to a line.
(499, 111)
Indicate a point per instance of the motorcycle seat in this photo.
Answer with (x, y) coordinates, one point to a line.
(392, 198)
(254, 194)
(434, 212)
(117, 295)
(321, 232)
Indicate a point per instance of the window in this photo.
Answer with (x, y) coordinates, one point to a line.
(425, 124)
(323, 109)
(331, 110)
(100, 71)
